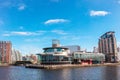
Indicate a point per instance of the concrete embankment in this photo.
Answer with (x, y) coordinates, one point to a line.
(68, 66)
(4, 65)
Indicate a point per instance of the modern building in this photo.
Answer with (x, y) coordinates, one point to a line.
(88, 57)
(5, 52)
(72, 48)
(54, 55)
(16, 56)
(107, 45)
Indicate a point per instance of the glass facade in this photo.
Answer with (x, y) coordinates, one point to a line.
(89, 56)
(54, 50)
(51, 59)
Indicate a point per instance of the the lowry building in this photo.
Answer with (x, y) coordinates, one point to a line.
(54, 55)
(107, 45)
(5, 52)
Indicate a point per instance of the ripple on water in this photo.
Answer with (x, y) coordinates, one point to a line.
(83, 73)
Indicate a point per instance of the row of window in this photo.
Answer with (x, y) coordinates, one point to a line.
(54, 50)
(53, 58)
(87, 56)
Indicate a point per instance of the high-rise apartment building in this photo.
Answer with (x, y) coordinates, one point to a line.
(107, 45)
(5, 52)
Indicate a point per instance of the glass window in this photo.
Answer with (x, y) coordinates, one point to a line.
(49, 50)
(59, 50)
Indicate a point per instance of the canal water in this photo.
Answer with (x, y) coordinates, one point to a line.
(83, 73)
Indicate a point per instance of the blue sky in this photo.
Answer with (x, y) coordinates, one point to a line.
(32, 24)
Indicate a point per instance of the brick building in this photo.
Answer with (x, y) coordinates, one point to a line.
(5, 52)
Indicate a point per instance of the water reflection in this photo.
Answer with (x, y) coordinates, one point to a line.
(4, 73)
(83, 73)
(60, 74)
(112, 73)
(87, 73)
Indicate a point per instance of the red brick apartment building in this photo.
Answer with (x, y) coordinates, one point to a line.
(5, 52)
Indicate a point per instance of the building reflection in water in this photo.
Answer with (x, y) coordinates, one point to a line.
(82, 73)
(112, 73)
(4, 73)
(59, 74)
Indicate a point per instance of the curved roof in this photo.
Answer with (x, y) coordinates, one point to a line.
(54, 48)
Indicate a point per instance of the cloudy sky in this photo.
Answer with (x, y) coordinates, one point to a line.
(32, 24)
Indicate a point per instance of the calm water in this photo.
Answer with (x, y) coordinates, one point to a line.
(86, 73)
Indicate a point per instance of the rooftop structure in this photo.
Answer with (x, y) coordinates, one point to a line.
(55, 43)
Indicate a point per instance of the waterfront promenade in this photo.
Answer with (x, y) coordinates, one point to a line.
(3, 65)
(68, 65)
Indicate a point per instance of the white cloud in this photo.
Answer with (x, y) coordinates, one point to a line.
(54, 21)
(59, 32)
(32, 40)
(74, 37)
(21, 7)
(98, 13)
(6, 34)
(23, 33)
(35, 33)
